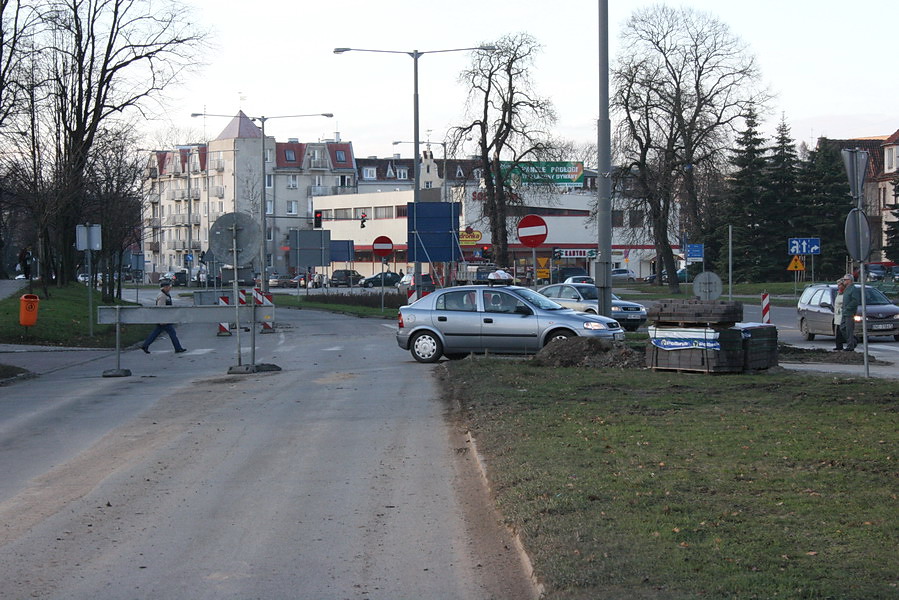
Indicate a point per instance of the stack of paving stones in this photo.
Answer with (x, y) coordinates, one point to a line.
(707, 324)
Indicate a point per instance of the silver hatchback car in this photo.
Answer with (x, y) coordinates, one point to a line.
(456, 321)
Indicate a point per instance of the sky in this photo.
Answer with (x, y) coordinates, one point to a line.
(830, 65)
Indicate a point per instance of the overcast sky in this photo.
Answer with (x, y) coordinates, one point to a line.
(830, 64)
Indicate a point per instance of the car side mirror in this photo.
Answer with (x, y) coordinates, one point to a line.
(523, 310)
(826, 305)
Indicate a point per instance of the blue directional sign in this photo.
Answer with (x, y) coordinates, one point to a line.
(804, 246)
(695, 252)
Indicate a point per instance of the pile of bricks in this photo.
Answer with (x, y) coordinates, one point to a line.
(707, 336)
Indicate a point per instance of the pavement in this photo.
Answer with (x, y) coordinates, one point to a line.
(39, 360)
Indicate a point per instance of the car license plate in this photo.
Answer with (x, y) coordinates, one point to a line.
(619, 337)
(882, 326)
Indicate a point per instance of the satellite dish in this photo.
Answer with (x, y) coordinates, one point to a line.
(238, 230)
(707, 286)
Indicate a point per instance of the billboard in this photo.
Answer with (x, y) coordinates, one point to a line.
(433, 230)
(559, 173)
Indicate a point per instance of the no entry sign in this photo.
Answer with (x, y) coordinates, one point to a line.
(532, 230)
(382, 245)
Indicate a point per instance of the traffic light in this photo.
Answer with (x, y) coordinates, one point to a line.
(486, 253)
(362, 218)
(557, 253)
(318, 219)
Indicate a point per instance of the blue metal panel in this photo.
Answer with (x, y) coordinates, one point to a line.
(437, 227)
(343, 251)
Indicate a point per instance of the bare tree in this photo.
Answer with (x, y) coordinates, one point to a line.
(509, 121)
(104, 59)
(681, 85)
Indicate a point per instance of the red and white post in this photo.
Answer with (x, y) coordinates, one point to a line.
(766, 308)
(224, 328)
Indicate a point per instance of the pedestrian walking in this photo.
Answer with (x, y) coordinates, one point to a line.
(25, 262)
(163, 299)
(838, 314)
(852, 297)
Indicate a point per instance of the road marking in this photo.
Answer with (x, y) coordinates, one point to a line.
(333, 349)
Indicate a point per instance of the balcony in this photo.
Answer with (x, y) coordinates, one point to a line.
(195, 193)
(319, 163)
(154, 222)
(153, 198)
(152, 246)
(217, 164)
(218, 191)
(321, 190)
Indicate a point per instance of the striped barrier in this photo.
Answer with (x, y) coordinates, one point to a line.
(261, 298)
(224, 327)
(766, 308)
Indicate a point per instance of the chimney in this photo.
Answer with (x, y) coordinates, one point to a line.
(293, 140)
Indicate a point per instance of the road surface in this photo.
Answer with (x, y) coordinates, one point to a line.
(338, 477)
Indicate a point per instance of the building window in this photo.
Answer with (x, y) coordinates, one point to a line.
(340, 155)
(269, 234)
(369, 173)
(429, 185)
(269, 180)
(345, 181)
(268, 155)
(269, 206)
(343, 214)
(635, 219)
(358, 212)
(291, 207)
(402, 172)
(383, 212)
(401, 211)
(293, 181)
(617, 218)
(290, 155)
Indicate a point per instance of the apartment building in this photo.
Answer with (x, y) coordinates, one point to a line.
(187, 188)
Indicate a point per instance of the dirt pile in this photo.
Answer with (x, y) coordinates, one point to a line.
(589, 352)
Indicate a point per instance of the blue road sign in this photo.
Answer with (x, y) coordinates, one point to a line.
(804, 246)
(188, 258)
(695, 251)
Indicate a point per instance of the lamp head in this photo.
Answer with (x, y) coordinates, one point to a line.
(196, 114)
(487, 48)
(341, 50)
(329, 115)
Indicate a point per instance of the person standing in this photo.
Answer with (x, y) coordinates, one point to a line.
(164, 299)
(852, 297)
(838, 314)
(25, 262)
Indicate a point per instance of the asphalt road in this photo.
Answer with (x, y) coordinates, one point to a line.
(338, 477)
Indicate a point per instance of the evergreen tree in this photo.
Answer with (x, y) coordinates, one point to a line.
(782, 206)
(743, 208)
(891, 248)
(824, 191)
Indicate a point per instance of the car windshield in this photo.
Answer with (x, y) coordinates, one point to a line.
(538, 300)
(588, 292)
(875, 296)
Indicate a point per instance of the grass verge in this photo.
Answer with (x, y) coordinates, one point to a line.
(62, 320)
(641, 484)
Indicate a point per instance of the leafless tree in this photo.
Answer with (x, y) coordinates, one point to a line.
(510, 122)
(681, 84)
(103, 60)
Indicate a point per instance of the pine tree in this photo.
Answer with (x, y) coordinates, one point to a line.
(743, 208)
(782, 204)
(824, 191)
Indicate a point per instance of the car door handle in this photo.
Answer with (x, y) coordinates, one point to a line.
(441, 318)
(488, 320)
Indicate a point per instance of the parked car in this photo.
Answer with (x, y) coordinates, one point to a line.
(579, 279)
(877, 271)
(815, 310)
(176, 277)
(427, 282)
(347, 277)
(619, 275)
(275, 280)
(560, 274)
(681, 276)
(456, 321)
(387, 278)
(584, 297)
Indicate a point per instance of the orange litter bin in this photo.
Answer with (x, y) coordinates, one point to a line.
(28, 310)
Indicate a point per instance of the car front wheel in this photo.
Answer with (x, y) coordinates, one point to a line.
(559, 334)
(803, 327)
(370, 284)
(426, 347)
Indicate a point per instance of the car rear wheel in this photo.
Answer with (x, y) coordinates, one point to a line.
(558, 334)
(426, 347)
(369, 284)
(803, 327)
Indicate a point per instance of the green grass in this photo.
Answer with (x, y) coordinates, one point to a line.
(645, 484)
(360, 305)
(63, 321)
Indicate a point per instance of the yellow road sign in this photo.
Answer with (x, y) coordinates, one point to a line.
(796, 264)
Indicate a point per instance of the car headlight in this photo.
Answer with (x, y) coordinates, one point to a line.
(594, 325)
(857, 318)
(616, 309)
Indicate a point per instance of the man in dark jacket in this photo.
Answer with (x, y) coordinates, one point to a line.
(164, 299)
(852, 297)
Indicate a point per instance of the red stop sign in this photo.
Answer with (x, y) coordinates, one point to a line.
(382, 245)
(532, 230)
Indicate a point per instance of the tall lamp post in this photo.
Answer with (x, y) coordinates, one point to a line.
(262, 253)
(416, 193)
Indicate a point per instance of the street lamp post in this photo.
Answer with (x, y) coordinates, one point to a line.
(415, 54)
(262, 253)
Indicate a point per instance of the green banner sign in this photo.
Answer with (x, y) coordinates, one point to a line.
(560, 173)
